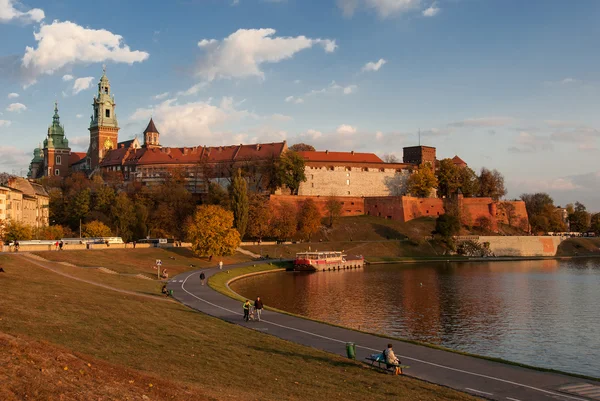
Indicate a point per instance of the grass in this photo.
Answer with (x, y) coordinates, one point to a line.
(218, 282)
(579, 247)
(186, 349)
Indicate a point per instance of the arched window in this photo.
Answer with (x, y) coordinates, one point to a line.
(107, 113)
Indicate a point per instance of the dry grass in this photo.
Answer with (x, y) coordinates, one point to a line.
(579, 247)
(181, 346)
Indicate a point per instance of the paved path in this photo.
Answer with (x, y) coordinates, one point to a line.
(476, 376)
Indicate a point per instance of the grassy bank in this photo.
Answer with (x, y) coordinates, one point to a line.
(579, 247)
(190, 352)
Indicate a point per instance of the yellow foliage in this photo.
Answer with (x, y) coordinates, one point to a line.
(211, 232)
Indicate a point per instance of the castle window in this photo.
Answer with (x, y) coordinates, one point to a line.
(365, 169)
(347, 182)
(57, 172)
(58, 160)
(107, 113)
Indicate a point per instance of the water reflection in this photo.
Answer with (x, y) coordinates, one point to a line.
(543, 313)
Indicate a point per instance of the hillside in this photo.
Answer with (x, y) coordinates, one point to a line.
(579, 247)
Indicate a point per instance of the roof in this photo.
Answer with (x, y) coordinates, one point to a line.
(76, 157)
(419, 147)
(39, 189)
(193, 155)
(340, 157)
(151, 127)
(458, 161)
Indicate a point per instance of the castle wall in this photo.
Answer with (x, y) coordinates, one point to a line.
(521, 245)
(351, 206)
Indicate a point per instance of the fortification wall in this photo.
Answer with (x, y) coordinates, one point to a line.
(523, 245)
(351, 206)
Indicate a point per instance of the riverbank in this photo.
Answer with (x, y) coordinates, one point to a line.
(222, 281)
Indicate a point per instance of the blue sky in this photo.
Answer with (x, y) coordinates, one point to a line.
(506, 84)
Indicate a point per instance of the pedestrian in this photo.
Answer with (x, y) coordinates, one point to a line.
(210, 258)
(258, 305)
(246, 307)
(56, 246)
(134, 243)
(16, 246)
(60, 245)
(392, 360)
(202, 278)
(221, 265)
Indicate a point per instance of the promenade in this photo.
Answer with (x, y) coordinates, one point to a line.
(480, 377)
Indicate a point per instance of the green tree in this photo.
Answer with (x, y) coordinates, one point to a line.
(123, 216)
(259, 217)
(239, 203)
(536, 203)
(211, 232)
(51, 232)
(17, 231)
(333, 207)
(447, 225)
(140, 228)
(448, 178)
(79, 207)
(95, 229)
(103, 198)
(491, 184)
(309, 219)
(422, 181)
(217, 195)
(301, 147)
(595, 224)
(469, 182)
(290, 169)
(285, 222)
(579, 220)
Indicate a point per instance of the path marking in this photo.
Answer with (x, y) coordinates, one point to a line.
(512, 399)
(478, 391)
(372, 349)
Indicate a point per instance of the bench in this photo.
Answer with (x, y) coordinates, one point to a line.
(381, 363)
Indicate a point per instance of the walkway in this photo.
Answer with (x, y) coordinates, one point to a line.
(476, 376)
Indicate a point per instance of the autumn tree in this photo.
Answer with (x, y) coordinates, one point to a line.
(422, 181)
(469, 182)
(123, 216)
(239, 203)
(333, 207)
(595, 224)
(259, 217)
(447, 225)
(285, 221)
(309, 219)
(16, 231)
(79, 207)
(290, 169)
(50, 232)
(543, 215)
(448, 178)
(579, 219)
(491, 184)
(211, 232)
(301, 147)
(95, 229)
(217, 195)
(390, 158)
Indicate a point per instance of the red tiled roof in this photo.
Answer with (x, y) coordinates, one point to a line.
(76, 157)
(340, 157)
(458, 161)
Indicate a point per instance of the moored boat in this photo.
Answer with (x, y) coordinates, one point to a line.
(326, 260)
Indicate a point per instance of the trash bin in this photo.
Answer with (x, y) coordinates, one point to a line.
(170, 293)
(351, 350)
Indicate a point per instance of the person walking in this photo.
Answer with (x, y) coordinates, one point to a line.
(246, 307)
(392, 360)
(202, 278)
(220, 265)
(258, 306)
(60, 245)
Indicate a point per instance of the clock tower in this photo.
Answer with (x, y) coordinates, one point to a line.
(104, 128)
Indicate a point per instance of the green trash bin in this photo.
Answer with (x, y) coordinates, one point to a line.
(351, 350)
(170, 293)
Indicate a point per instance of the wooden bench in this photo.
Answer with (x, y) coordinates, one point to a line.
(382, 364)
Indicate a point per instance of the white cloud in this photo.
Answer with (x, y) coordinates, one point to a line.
(314, 134)
(530, 143)
(432, 11)
(565, 81)
(384, 8)
(483, 122)
(5, 123)
(16, 107)
(346, 129)
(66, 43)
(374, 66)
(242, 53)
(193, 89)
(82, 84)
(13, 95)
(9, 10)
(332, 88)
(67, 77)
(293, 99)
(350, 89)
(79, 142)
(78, 115)
(161, 96)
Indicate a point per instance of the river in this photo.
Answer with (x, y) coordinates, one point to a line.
(543, 313)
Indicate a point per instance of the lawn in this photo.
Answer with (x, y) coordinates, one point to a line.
(186, 349)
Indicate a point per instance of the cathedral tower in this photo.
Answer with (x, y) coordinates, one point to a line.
(104, 128)
(56, 149)
(151, 135)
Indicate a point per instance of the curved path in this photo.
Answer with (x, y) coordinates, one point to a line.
(476, 376)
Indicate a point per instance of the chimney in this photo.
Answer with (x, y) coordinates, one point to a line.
(185, 151)
(327, 152)
(352, 152)
(258, 146)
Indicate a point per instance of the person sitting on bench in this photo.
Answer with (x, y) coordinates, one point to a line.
(164, 290)
(391, 360)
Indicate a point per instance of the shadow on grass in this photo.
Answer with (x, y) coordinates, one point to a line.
(320, 359)
(388, 232)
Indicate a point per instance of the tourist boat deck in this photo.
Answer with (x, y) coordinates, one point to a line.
(326, 260)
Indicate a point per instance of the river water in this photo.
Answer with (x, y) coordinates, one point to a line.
(542, 313)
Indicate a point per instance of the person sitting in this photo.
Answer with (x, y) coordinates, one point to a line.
(164, 290)
(391, 360)
(164, 274)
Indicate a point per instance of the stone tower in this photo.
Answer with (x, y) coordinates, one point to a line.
(104, 128)
(56, 148)
(151, 136)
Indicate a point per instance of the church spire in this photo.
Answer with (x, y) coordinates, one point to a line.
(56, 117)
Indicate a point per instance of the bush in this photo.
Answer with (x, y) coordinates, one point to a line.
(474, 248)
(95, 229)
(16, 231)
(447, 225)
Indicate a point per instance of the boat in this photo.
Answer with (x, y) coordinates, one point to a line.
(326, 260)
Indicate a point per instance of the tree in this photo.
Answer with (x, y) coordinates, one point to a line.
(51, 232)
(334, 210)
(469, 182)
(484, 222)
(95, 229)
(390, 158)
(211, 231)
(448, 178)
(103, 198)
(447, 225)
(535, 203)
(595, 224)
(239, 203)
(291, 171)
(217, 195)
(285, 221)
(491, 184)
(79, 207)
(579, 220)
(17, 231)
(422, 181)
(509, 210)
(259, 217)
(301, 147)
(123, 216)
(309, 219)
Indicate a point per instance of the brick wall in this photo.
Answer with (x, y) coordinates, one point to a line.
(351, 206)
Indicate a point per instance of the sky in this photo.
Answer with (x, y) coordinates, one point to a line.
(505, 84)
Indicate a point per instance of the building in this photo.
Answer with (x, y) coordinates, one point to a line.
(24, 201)
(352, 174)
(419, 155)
